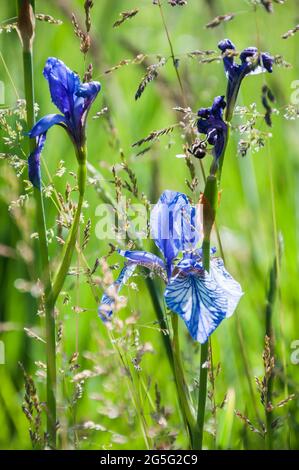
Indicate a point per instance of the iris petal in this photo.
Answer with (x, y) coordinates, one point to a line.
(202, 299)
(144, 258)
(44, 124)
(218, 106)
(88, 91)
(174, 225)
(85, 96)
(264, 61)
(228, 284)
(34, 172)
(198, 300)
(71, 97)
(228, 60)
(107, 304)
(211, 124)
(267, 62)
(63, 84)
(248, 53)
(39, 130)
(236, 72)
(225, 45)
(220, 143)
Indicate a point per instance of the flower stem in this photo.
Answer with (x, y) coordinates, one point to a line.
(42, 237)
(221, 159)
(160, 317)
(173, 354)
(202, 395)
(210, 200)
(271, 297)
(182, 388)
(70, 243)
(172, 52)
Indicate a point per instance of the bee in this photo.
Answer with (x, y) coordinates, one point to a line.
(198, 149)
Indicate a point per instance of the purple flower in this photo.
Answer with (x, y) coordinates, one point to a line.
(73, 99)
(211, 124)
(201, 299)
(252, 62)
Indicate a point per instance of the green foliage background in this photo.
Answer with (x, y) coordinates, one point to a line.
(250, 214)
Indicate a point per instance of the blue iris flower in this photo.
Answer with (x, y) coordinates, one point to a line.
(211, 124)
(252, 62)
(73, 99)
(200, 298)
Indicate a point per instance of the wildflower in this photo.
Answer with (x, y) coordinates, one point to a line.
(211, 124)
(252, 62)
(202, 299)
(73, 99)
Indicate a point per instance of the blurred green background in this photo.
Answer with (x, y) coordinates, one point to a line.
(250, 217)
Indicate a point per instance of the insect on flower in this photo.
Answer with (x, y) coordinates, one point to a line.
(73, 99)
(201, 299)
(252, 62)
(198, 149)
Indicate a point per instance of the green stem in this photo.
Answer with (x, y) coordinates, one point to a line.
(173, 354)
(161, 319)
(70, 243)
(210, 202)
(209, 214)
(271, 297)
(206, 254)
(182, 388)
(51, 369)
(203, 374)
(202, 394)
(172, 52)
(43, 245)
(221, 159)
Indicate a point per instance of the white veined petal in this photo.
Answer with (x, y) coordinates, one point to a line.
(199, 301)
(227, 283)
